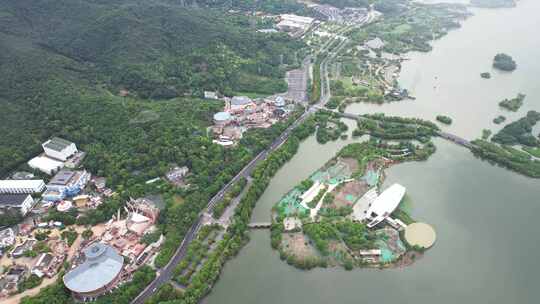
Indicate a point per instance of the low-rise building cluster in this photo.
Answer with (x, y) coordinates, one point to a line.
(37, 247)
(22, 258)
(111, 257)
(242, 113)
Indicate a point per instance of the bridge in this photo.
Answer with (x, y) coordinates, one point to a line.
(260, 225)
(455, 139)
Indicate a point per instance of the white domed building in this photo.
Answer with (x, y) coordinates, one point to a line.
(222, 118)
(99, 273)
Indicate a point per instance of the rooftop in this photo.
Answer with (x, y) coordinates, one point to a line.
(240, 100)
(44, 162)
(296, 18)
(30, 183)
(62, 177)
(57, 144)
(222, 116)
(13, 200)
(375, 43)
(101, 266)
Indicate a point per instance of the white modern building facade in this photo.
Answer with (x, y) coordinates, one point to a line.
(22, 186)
(59, 148)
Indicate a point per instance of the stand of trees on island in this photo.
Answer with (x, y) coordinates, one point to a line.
(499, 119)
(396, 128)
(501, 152)
(507, 157)
(329, 127)
(513, 104)
(519, 132)
(444, 119)
(504, 62)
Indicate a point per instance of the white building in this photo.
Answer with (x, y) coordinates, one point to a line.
(45, 164)
(385, 204)
(375, 44)
(22, 186)
(222, 118)
(305, 21)
(23, 202)
(59, 148)
(241, 103)
(294, 23)
(210, 95)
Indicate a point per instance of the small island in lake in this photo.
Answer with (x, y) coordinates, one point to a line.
(504, 62)
(513, 104)
(499, 119)
(485, 75)
(341, 216)
(444, 119)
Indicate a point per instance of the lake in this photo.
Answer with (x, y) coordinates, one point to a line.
(485, 216)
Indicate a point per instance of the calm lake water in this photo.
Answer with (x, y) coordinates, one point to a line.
(485, 216)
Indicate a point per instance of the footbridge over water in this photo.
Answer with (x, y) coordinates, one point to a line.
(455, 139)
(260, 225)
(448, 136)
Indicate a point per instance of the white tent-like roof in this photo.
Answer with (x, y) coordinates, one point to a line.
(385, 204)
(45, 164)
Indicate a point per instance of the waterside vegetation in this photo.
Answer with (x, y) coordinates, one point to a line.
(513, 104)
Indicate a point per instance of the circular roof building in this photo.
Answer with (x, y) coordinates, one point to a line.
(97, 274)
(420, 234)
(222, 117)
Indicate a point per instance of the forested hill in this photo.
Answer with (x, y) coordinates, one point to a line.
(58, 55)
(155, 48)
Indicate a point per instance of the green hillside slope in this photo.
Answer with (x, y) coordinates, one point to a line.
(57, 55)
